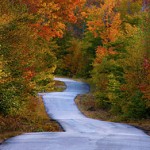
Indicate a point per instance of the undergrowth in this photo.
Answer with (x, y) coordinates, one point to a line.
(32, 119)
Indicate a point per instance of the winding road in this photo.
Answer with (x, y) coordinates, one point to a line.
(81, 133)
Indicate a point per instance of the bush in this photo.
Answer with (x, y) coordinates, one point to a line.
(135, 107)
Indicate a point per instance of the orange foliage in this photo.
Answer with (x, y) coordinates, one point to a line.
(101, 52)
(105, 21)
(53, 15)
(28, 75)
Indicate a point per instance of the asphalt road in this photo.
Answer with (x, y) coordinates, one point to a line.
(81, 133)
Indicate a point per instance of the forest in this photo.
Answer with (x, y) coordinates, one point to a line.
(106, 41)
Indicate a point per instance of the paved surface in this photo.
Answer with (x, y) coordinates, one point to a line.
(81, 133)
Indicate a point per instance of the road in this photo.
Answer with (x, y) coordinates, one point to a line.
(81, 133)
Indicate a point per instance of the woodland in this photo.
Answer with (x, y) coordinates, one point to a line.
(106, 41)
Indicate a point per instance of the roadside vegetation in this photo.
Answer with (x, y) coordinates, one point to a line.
(32, 119)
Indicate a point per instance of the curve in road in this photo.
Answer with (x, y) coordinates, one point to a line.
(81, 133)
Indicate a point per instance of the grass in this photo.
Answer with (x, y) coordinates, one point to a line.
(86, 104)
(32, 119)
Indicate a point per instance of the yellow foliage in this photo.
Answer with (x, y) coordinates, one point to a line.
(103, 21)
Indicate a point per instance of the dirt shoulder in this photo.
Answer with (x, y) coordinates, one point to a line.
(87, 106)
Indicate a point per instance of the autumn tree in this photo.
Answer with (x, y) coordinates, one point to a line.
(104, 22)
(51, 16)
(120, 58)
(21, 52)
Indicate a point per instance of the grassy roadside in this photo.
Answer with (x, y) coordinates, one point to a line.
(86, 104)
(34, 119)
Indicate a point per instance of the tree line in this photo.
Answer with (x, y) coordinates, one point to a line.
(105, 40)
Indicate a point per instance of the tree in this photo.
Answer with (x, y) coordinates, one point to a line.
(51, 16)
(121, 65)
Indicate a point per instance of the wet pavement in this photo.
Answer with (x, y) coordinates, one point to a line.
(81, 133)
